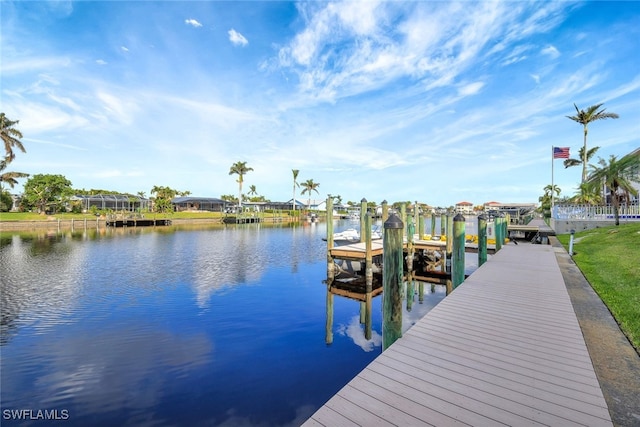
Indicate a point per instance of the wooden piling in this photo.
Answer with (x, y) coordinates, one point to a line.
(449, 245)
(497, 227)
(458, 250)
(420, 225)
(403, 216)
(330, 265)
(410, 292)
(367, 316)
(482, 239)
(443, 224)
(433, 224)
(385, 211)
(368, 257)
(416, 219)
(410, 247)
(392, 281)
(328, 337)
(363, 213)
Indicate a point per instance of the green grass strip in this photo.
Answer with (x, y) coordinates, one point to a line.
(609, 258)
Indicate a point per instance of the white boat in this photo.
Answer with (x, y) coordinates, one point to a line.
(351, 235)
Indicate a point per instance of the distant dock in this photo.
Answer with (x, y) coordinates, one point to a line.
(137, 222)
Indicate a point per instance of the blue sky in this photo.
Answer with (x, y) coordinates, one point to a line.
(427, 100)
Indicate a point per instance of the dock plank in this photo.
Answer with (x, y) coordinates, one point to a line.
(504, 348)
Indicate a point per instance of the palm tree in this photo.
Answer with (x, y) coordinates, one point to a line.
(549, 190)
(240, 169)
(575, 162)
(252, 190)
(546, 200)
(617, 176)
(295, 184)
(587, 195)
(583, 117)
(9, 177)
(310, 186)
(10, 137)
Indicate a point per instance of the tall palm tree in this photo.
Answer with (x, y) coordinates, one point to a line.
(584, 117)
(295, 184)
(240, 169)
(310, 186)
(252, 190)
(575, 162)
(617, 176)
(10, 137)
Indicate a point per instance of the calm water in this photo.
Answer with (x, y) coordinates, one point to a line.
(166, 326)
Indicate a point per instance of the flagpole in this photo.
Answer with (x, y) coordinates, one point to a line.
(552, 189)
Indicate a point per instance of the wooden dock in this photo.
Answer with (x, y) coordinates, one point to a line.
(137, 222)
(356, 251)
(505, 348)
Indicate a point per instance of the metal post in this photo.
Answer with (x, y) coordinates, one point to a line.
(392, 281)
(573, 232)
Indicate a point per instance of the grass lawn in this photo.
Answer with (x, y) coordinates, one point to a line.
(610, 260)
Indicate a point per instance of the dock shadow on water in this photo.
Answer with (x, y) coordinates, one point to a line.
(219, 325)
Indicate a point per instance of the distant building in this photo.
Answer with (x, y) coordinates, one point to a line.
(464, 207)
(189, 203)
(515, 210)
(115, 202)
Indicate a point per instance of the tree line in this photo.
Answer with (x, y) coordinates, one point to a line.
(51, 192)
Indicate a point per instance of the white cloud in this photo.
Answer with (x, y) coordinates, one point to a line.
(101, 62)
(470, 89)
(193, 23)
(550, 51)
(536, 78)
(237, 39)
(124, 48)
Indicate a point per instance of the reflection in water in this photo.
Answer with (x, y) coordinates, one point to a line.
(360, 327)
(177, 326)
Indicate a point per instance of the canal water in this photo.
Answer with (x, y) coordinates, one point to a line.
(174, 326)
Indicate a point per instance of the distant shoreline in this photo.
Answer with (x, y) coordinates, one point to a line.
(72, 224)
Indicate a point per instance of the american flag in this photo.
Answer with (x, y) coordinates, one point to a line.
(560, 152)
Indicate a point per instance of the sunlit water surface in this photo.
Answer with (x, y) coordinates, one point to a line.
(166, 326)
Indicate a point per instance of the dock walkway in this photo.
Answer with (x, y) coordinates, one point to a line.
(505, 348)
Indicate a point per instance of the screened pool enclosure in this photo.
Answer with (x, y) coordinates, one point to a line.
(115, 202)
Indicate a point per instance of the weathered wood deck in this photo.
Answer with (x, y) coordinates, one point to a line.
(504, 348)
(356, 251)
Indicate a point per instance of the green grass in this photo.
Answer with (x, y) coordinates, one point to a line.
(30, 216)
(609, 258)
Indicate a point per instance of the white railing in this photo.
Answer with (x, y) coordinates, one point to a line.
(596, 213)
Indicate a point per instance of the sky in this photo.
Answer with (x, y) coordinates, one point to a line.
(430, 101)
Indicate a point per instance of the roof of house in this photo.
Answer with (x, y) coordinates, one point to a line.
(191, 199)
